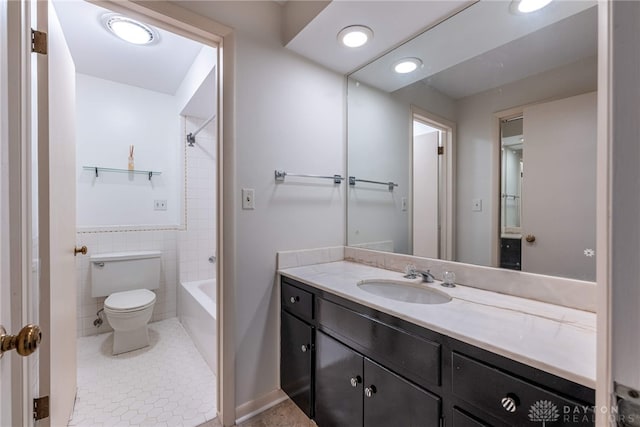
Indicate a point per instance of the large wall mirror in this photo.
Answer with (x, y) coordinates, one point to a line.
(485, 152)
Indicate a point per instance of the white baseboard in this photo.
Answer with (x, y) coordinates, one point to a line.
(254, 407)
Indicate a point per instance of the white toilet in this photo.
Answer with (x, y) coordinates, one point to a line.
(126, 279)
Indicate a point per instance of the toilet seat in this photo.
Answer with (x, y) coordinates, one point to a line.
(129, 301)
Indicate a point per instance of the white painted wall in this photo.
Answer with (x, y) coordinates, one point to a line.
(110, 117)
(477, 140)
(379, 146)
(289, 114)
(195, 77)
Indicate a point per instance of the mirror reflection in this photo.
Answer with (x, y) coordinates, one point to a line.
(491, 141)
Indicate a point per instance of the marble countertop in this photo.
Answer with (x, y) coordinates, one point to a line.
(555, 339)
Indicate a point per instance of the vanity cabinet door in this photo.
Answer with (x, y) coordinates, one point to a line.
(339, 386)
(392, 401)
(296, 361)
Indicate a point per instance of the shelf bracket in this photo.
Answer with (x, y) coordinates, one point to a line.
(150, 175)
(96, 172)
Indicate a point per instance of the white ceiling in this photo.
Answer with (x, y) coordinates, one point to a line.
(488, 27)
(160, 67)
(565, 42)
(392, 22)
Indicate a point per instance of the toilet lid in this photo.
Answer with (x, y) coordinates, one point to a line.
(130, 300)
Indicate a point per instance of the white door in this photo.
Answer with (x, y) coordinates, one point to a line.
(57, 208)
(426, 227)
(559, 188)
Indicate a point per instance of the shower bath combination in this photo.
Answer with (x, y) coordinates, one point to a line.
(191, 137)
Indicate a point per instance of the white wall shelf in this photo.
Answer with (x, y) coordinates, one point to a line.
(98, 169)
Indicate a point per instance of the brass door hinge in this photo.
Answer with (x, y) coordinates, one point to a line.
(440, 151)
(41, 408)
(38, 42)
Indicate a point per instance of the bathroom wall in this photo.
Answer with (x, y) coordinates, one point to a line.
(198, 241)
(476, 142)
(122, 241)
(297, 123)
(378, 135)
(110, 117)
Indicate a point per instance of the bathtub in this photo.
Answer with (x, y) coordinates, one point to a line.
(197, 313)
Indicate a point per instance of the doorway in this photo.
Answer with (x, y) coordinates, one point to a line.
(431, 184)
(143, 186)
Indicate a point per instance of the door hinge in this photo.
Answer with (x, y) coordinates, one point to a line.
(41, 408)
(38, 42)
(440, 151)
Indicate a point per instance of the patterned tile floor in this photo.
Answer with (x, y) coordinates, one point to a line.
(167, 384)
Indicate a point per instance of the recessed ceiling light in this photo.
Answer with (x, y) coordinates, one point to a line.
(355, 35)
(407, 65)
(129, 29)
(528, 6)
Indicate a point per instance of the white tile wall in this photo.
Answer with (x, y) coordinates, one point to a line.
(198, 242)
(120, 241)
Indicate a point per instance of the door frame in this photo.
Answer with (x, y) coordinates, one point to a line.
(14, 193)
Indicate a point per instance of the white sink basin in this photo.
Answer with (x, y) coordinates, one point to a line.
(404, 292)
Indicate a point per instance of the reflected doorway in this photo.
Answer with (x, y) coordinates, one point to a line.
(431, 146)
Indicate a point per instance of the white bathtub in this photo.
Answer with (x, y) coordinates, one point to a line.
(197, 313)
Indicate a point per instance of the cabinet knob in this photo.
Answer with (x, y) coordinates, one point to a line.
(304, 348)
(370, 391)
(355, 380)
(294, 300)
(510, 403)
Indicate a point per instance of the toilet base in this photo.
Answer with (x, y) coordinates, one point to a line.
(125, 341)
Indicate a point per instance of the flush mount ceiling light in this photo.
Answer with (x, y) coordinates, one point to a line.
(129, 29)
(528, 6)
(355, 35)
(407, 65)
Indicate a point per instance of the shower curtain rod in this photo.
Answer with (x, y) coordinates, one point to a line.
(191, 138)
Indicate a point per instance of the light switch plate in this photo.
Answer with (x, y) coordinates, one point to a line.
(476, 205)
(404, 204)
(248, 198)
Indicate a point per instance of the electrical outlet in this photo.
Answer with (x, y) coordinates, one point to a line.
(476, 205)
(160, 205)
(404, 204)
(248, 198)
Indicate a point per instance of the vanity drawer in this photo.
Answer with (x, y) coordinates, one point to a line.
(486, 387)
(297, 301)
(404, 353)
(462, 419)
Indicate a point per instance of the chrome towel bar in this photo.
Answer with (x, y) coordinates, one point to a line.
(280, 175)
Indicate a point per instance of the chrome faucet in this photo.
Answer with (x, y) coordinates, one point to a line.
(412, 273)
(426, 276)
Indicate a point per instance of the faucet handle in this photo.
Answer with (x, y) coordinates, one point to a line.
(426, 276)
(410, 271)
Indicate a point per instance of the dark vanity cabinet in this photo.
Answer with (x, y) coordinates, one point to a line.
(352, 390)
(297, 347)
(348, 365)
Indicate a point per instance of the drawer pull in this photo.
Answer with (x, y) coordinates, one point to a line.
(355, 380)
(304, 348)
(510, 403)
(294, 299)
(370, 391)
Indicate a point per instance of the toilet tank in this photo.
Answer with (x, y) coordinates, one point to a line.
(124, 271)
